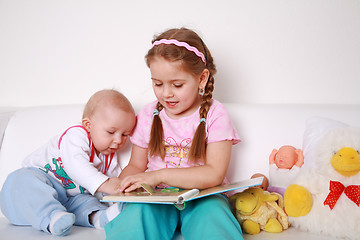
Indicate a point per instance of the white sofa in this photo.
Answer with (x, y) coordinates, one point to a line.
(261, 127)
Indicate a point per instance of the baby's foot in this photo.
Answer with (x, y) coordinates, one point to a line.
(61, 223)
(102, 217)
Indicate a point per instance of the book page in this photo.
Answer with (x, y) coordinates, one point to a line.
(171, 195)
(160, 195)
(229, 187)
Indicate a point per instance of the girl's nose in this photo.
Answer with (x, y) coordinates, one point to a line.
(167, 91)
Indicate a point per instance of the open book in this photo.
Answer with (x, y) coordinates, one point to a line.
(177, 196)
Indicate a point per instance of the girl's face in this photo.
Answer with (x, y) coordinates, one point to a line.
(177, 90)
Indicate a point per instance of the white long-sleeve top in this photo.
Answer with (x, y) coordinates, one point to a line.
(70, 158)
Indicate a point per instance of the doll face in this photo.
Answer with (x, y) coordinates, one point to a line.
(286, 157)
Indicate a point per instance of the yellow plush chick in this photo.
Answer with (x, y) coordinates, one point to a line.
(258, 210)
(325, 196)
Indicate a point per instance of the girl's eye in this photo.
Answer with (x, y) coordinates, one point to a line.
(157, 84)
(178, 85)
(109, 132)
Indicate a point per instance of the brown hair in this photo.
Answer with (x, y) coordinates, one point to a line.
(107, 97)
(193, 64)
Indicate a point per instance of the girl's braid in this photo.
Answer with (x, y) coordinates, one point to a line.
(156, 145)
(198, 146)
(207, 98)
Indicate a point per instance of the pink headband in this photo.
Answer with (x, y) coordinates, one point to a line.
(181, 44)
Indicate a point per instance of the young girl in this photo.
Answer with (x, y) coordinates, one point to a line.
(55, 187)
(182, 140)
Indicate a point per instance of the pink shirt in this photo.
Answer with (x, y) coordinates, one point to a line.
(178, 134)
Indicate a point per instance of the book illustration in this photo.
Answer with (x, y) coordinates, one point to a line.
(148, 189)
(177, 196)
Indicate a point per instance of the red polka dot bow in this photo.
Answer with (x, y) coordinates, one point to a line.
(337, 188)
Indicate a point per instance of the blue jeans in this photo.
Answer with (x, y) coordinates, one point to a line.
(205, 218)
(31, 197)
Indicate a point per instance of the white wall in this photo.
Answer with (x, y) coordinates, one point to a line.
(283, 51)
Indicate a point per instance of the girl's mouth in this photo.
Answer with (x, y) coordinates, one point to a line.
(171, 104)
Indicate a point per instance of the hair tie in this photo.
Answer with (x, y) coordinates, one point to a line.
(155, 112)
(181, 44)
(203, 120)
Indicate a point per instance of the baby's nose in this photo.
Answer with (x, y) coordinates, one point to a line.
(118, 139)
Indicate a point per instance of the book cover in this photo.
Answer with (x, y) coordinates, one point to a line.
(177, 196)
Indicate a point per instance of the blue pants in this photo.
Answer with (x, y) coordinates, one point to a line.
(31, 197)
(205, 218)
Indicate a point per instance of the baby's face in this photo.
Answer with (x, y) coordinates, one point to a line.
(109, 128)
(286, 157)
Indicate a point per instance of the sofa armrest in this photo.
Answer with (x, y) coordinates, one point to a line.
(5, 115)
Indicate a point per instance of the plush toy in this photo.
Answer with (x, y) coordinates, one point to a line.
(325, 197)
(284, 165)
(258, 210)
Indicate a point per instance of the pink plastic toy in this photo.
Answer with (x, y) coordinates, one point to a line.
(285, 164)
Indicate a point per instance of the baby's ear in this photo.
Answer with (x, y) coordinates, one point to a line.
(86, 124)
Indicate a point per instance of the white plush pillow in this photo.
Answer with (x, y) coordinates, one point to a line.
(315, 129)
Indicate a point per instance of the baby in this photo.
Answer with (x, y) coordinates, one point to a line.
(55, 187)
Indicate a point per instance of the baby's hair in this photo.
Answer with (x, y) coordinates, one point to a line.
(107, 97)
(192, 63)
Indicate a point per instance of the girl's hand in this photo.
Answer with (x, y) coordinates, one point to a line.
(131, 183)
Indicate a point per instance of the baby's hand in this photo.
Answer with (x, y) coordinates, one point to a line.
(110, 186)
